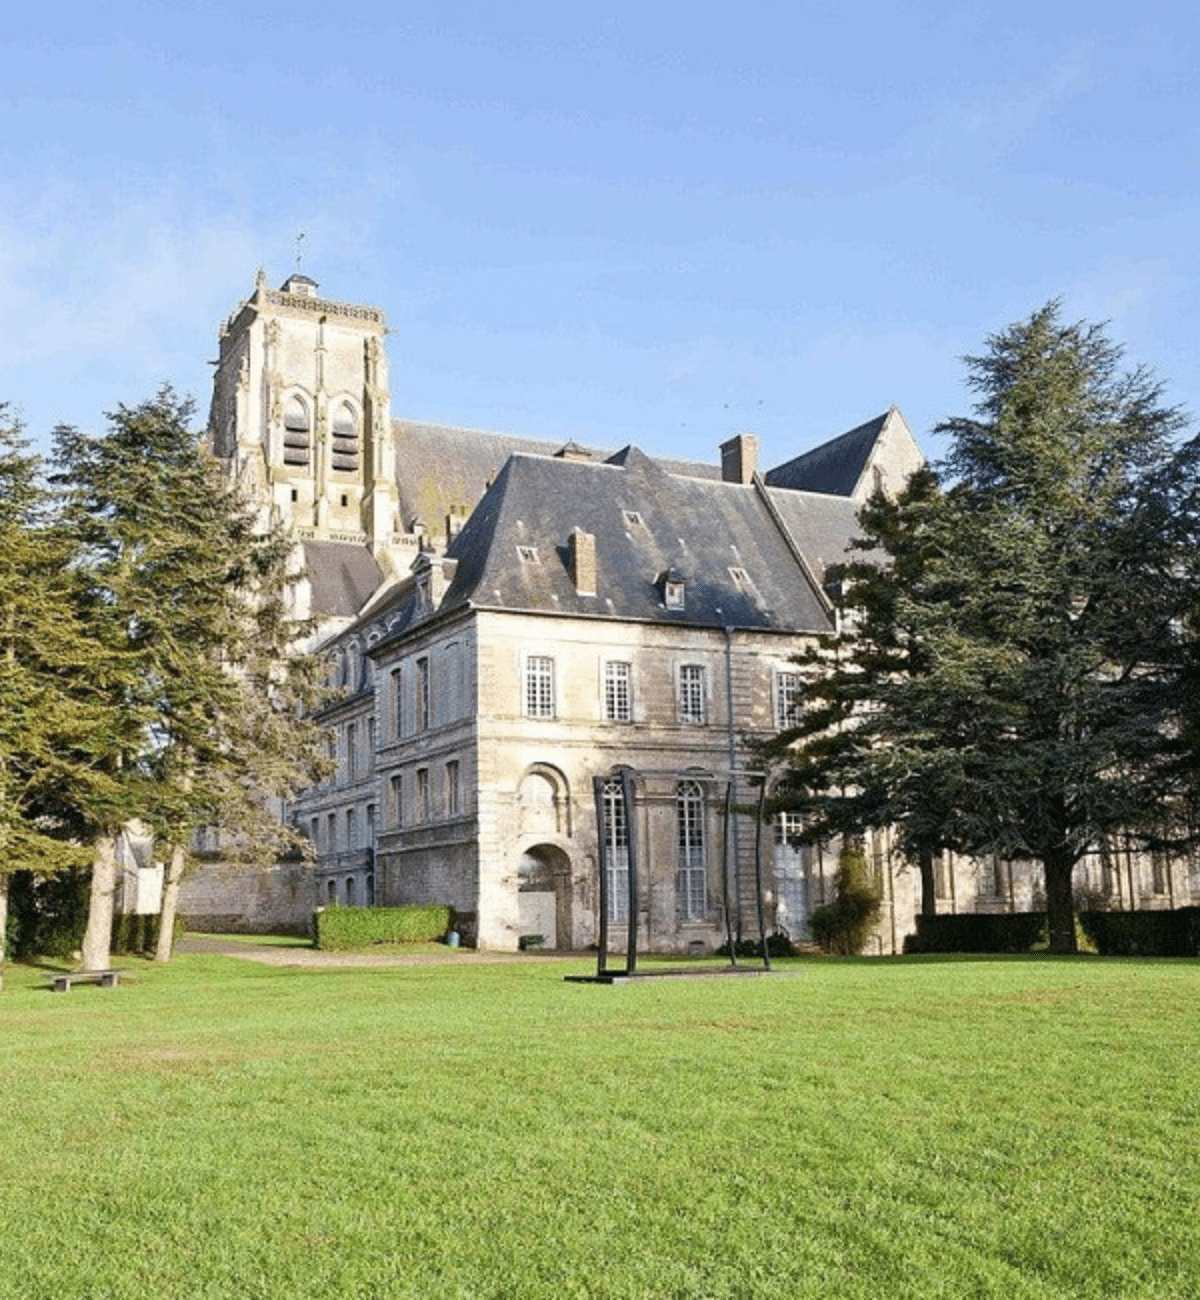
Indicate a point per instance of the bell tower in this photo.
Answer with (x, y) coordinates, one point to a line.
(301, 415)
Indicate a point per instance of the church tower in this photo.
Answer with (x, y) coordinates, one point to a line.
(300, 413)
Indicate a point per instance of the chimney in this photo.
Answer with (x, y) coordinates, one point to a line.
(739, 458)
(581, 548)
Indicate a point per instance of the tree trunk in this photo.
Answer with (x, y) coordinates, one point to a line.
(1060, 902)
(170, 901)
(97, 940)
(928, 889)
(3, 924)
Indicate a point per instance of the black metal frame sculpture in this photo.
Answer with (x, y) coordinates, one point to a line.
(626, 776)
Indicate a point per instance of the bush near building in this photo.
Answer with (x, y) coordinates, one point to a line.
(336, 929)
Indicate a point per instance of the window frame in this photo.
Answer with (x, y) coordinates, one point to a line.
(538, 687)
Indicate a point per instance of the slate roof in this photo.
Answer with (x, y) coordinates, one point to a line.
(834, 467)
(439, 467)
(343, 576)
(512, 554)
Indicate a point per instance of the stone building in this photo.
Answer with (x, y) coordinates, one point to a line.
(507, 620)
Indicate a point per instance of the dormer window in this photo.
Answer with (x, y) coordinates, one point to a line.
(527, 554)
(297, 432)
(345, 439)
(671, 585)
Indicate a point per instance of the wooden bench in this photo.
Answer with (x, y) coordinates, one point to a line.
(107, 979)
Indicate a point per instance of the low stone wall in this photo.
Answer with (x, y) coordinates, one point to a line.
(233, 898)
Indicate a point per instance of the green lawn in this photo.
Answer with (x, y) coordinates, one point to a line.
(910, 1127)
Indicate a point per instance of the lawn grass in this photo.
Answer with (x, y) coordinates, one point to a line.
(919, 1127)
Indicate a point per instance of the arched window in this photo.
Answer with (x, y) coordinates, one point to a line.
(297, 431)
(345, 439)
(331, 890)
(690, 882)
(350, 889)
(616, 851)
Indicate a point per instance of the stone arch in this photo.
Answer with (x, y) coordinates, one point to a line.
(543, 802)
(544, 894)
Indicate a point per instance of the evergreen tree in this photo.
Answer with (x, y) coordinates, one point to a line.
(186, 589)
(1017, 687)
(53, 727)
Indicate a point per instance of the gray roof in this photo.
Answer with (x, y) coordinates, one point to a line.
(512, 554)
(343, 576)
(440, 468)
(834, 467)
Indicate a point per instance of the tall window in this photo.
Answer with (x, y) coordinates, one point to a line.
(397, 704)
(351, 751)
(351, 828)
(370, 825)
(616, 851)
(345, 438)
(422, 700)
(690, 883)
(618, 705)
(370, 747)
(423, 794)
(691, 693)
(453, 790)
(787, 700)
(397, 799)
(297, 430)
(331, 842)
(539, 686)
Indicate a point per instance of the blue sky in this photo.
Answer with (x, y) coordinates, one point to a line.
(657, 223)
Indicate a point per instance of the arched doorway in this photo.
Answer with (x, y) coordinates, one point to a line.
(544, 894)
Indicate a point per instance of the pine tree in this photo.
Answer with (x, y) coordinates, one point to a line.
(53, 728)
(188, 591)
(1018, 688)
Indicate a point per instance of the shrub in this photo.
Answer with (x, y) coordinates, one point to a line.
(842, 926)
(978, 932)
(1173, 933)
(134, 933)
(778, 945)
(338, 928)
(47, 915)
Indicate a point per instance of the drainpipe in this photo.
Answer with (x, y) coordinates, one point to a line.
(732, 734)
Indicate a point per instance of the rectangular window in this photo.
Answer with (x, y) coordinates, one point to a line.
(331, 842)
(616, 851)
(422, 700)
(397, 800)
(618, 706)
(691, 694)
(539, 686)
(370, 746)
(370, 825)
(690, 882)
(351, 751)
(423, 794)
(787, 700)
(351, 828)
(453, 791)
(315, 834)
(397, 704)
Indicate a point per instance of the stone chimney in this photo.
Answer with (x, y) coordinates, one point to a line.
(581, 548)
(739, 458)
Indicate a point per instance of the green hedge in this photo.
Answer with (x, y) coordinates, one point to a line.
(338, 928)
(1144, 934)
(47, 915)
(978, 932)
(134, 934)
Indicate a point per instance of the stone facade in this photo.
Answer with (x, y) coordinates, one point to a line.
(506, 621)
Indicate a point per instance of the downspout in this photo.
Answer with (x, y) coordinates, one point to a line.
(732, 736)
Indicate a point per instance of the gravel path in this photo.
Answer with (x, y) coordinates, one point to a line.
(273, 955)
